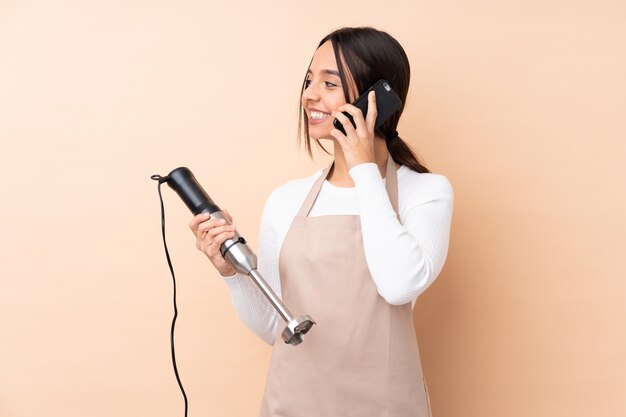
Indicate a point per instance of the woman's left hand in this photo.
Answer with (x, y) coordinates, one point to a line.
(357, 144)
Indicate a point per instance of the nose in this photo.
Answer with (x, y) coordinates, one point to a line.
(311, 93)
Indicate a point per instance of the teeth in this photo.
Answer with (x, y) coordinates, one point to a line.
(318, 115)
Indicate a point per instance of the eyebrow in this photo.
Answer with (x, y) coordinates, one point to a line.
(325, 71)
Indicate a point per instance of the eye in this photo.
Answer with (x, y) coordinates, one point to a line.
(307, 82)
(329, 84)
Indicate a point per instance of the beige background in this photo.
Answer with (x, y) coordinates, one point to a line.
(521, 104)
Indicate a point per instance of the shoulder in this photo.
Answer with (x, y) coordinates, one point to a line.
(418, 188)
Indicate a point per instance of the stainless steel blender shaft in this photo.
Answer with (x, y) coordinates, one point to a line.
(244, 261)
(271, 295)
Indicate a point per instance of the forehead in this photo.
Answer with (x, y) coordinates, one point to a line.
(324, 58)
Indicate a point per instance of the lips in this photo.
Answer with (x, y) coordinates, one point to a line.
(317, 116)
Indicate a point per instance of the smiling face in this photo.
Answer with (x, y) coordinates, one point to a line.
(323, 92)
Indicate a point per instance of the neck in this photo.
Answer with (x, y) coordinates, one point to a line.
(339, 175)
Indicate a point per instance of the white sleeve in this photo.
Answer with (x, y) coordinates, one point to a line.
(251, 305)
(403, 258)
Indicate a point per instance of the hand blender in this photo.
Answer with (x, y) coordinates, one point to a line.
(236, 251)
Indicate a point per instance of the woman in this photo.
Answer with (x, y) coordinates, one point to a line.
(352, 245)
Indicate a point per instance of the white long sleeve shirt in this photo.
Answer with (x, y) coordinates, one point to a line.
(404, 257)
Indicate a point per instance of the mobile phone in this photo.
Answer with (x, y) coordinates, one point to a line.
(387, 103)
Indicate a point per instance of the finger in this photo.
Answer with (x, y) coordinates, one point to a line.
(200, 235)
(372, 112)
(357, 115)
(207, 225)
(341, 138)
(207, 238)
(214, 232)
(202, 217)
(203, 229)
(345, 122)
(213, 248)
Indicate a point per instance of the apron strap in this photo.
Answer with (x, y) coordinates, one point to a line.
(315, 190)
(391, 179)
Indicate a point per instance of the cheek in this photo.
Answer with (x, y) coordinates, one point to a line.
(335, 101)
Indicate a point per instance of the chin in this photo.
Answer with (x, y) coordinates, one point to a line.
(319, 133)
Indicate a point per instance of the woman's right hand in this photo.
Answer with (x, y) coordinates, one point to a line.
(210, 234)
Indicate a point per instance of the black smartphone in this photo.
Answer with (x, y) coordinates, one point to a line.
(387, 103)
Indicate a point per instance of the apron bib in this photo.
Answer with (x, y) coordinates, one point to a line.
(361, 359)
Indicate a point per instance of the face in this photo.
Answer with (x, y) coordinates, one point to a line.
(323, 92)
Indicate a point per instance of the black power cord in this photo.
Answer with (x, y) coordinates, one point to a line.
(161, 180)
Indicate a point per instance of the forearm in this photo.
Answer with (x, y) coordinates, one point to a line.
(252, 307)
(403, 258)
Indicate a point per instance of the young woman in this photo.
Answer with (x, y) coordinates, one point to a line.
(352, 245)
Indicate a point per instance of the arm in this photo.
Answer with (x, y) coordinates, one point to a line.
(403, 258)
(251, 305)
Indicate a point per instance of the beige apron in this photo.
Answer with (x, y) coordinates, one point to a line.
(361, 359)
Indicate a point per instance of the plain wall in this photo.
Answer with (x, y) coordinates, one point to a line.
(521, 104)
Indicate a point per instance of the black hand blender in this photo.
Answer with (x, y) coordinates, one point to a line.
(235, 250)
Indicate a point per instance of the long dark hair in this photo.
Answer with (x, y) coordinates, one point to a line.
(370, 54)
